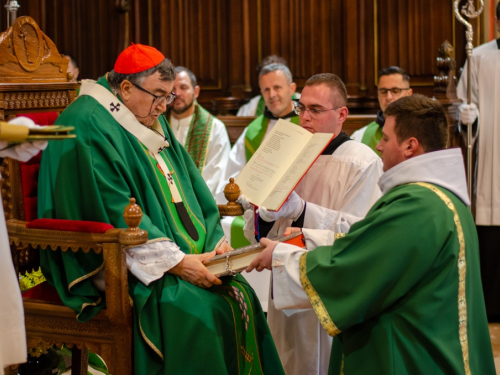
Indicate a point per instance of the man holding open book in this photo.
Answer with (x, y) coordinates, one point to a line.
(343, 178)
(401, 292)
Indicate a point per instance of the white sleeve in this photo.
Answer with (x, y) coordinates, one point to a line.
(216, 160)
(237, 157)
(286, 287)
(358, 134)
(363, 190)
(250, 108)
(462, 84)
(318, 217)
(148, 262)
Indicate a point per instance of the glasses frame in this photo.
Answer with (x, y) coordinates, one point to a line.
(391, 90)
(297, 110)
(170, 98)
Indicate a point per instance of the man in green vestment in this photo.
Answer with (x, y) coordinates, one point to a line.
(202, 134)
(255, 107)
(393, 83)
(186, 320)
(401, 292)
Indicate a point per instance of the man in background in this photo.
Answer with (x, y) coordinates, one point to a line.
(202, 134)
(277, 88)
(255, 107)
(393, 83)
(73, 68)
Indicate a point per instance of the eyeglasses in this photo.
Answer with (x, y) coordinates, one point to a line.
(158, 100)
(298, 108)
(393, 90)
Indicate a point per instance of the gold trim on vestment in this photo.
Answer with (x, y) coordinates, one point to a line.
(462, 305)
(316, 303)
(339, 235)
(192, 246)
(181, 192)
(74, 282)
(148, 341)
(88, 304)
(220, 242)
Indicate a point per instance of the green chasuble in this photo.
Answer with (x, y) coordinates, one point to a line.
(178, 328)
(401, 292)
(256, 132)
(198, 136)
(372, 136)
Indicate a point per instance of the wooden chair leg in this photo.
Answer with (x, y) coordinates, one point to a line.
(79, 361)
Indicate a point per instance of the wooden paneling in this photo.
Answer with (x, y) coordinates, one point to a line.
(222, 41)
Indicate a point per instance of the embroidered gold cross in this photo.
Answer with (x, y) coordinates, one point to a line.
(278, 263)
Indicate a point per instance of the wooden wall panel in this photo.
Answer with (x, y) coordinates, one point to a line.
(222, 41)
(409, 35)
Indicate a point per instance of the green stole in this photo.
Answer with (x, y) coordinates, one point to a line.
(372, 136)
(199, 135)
(256, 131)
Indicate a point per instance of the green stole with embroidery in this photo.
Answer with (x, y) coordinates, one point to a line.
(198, 136)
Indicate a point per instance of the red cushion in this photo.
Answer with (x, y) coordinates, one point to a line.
(41, 118)
(29, 169)
(70, 225)
(44, 292)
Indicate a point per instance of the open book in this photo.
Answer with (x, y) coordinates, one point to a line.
(280, 162)
(238, 260)
(20, 133)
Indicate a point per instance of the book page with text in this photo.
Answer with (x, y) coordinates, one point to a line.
(299, 167)
(271, 160)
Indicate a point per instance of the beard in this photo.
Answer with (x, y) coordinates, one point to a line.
(184, 108)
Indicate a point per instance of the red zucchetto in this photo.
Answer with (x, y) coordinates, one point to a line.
(137, 58)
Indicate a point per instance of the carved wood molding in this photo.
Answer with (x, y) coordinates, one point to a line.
(28, 55)
(19, 235)
(36, 99)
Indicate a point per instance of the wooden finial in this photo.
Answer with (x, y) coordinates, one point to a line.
(231, 192)
(133, 234)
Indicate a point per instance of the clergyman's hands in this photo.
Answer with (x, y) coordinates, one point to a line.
(265, 258)
(224, 248)
(288, 231)
(192, 269)
(291, 209)
(468, 113)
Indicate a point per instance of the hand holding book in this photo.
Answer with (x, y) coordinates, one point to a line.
(291, 209)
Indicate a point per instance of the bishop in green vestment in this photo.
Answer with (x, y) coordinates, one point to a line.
(401, 292)
(183, 323)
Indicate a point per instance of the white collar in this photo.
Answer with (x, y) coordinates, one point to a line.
(444, 168)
